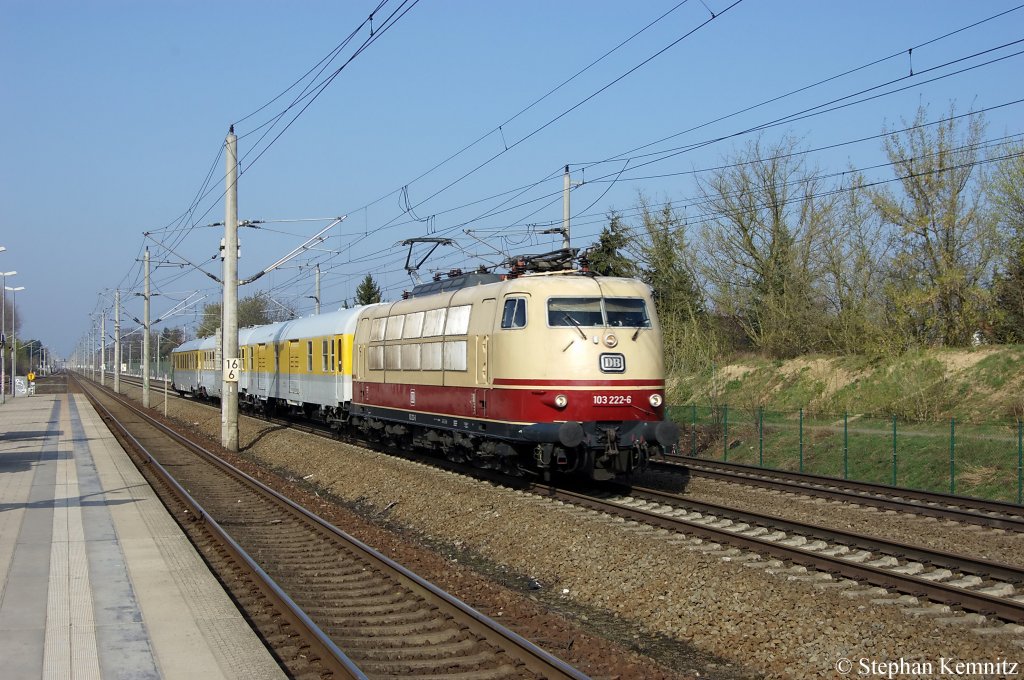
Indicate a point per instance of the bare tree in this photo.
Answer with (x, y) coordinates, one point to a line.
(1006, 197)
(857, 255)
(767, 221)
(946, 241)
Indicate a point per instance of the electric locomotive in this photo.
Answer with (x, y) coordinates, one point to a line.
(556, 371)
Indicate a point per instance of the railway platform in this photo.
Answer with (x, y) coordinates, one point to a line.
(96, 579)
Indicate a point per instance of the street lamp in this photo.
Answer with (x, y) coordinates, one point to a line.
(3, 333)
(14, 337)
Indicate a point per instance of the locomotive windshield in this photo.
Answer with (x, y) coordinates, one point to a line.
(595, 311)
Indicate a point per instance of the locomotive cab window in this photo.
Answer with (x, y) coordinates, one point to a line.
(514, 313)
(622, 312)
(631, 312)
(575, 312)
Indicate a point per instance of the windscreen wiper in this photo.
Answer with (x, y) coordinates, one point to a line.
(575, 323)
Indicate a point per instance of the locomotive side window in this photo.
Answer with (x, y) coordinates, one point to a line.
(514, 313)
(377, 330)
(433, 323)
(413, 325)
(375, 358)
(455, 355)
(393, 357)
(575, 312)
(631, 312)
(430, 356)
(411, 357)
(458, 320)
(395, 325)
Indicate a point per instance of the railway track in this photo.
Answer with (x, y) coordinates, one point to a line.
(979, 511)
(362, 614)
(974, 585)
(979, 586)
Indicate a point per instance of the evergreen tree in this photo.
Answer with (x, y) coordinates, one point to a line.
(664, 253)
(368, 292)
(608, 257)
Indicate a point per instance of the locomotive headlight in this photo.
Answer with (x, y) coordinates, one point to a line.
(655, 400)
(610, 340)
(561, 401)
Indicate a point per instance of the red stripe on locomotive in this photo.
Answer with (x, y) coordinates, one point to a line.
(516, 405)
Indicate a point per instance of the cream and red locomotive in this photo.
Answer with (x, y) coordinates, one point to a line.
(546, 372)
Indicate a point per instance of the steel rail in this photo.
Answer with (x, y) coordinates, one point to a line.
(1008, 516)
(982, 603)
(530, 654)
(962, 563)
(336, 660)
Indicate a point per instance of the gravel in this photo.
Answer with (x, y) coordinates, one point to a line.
(723, 616)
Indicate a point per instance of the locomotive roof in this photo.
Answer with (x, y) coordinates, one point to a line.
(454, 283)
(344, 320)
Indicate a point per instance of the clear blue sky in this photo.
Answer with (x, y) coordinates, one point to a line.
(114, 113)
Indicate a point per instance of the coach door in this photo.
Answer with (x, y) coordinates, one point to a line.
(294, 364)
(261, 367)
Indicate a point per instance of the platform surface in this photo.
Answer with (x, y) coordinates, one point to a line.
(96, 579)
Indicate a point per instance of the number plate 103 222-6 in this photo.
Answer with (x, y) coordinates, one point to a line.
(613, 399)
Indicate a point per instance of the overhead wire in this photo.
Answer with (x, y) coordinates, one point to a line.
(631, 178)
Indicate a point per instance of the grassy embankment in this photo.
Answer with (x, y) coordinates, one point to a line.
(849, 404)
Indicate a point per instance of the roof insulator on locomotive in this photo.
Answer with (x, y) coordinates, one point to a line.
(437, 276)
(452, 273)
(405, 295)
(584, 263)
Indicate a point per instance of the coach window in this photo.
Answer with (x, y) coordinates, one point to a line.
(514, 314)
(309, 356)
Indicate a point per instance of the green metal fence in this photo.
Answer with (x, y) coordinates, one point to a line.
(984, 460)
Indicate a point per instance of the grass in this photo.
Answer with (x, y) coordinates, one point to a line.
(980, 387)
(984, 456)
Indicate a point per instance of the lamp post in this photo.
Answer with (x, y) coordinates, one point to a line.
(14, 338)
(3, 350)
